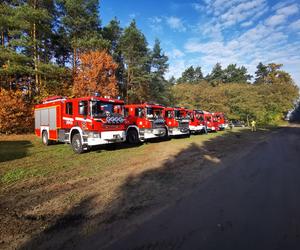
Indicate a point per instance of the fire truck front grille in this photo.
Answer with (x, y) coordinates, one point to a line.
(158, 124)
(183, 125)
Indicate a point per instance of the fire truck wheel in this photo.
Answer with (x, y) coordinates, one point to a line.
(45, 138)
(132, 137)
(77, 144)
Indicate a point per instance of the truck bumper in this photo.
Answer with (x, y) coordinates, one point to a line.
(211, 129)
(107, 137)
(152, 133)
(197, 129)
(178, 131)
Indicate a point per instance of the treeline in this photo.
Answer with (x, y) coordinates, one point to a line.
(59, 47)
(42, 40)
(267, 100)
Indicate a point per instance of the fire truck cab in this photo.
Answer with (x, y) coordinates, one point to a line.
(221, 120)
(82, 122)
(144, 121)
(197, 122)
(177, 121)
(210, 123)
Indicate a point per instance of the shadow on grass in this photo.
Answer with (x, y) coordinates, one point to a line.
(80, 228)
(125, 145)
(11, 150)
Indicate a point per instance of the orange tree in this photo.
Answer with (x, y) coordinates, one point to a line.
(95, 73)
(16, 116)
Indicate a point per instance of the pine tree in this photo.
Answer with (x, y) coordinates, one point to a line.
(191, 75)
(112, 33)
(261, 73)
(137, 62)
(236, 74)
(82, 23)
(198, 75)
(216, 76)
(159, 66)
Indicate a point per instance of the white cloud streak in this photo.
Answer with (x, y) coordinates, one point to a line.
(176, 23)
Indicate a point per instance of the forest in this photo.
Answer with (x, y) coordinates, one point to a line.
(60, 47)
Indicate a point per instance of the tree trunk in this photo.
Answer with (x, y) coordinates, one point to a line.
(127, 83)
(74, 60)
(2, 39)
(35, 57)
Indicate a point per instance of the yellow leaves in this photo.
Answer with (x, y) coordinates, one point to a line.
(95, 73)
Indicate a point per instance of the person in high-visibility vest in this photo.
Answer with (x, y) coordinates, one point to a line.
(253, 126)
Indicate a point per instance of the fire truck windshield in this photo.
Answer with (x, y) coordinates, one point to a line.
(153, 113)
(104, 109)
(179, 114)
(170, 114)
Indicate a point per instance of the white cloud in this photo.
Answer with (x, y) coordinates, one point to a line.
(261, 43)
(268, 35)
(282, 15)
(295, 25)
(288, 10)
(246, 24)
(177, 53)
(276, 20)
(176, 68)
(228, 13)
(175, 23)
(198, 7)
(155, 23)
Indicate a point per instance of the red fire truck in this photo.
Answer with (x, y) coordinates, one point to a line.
(177, 121)
(145, 121)
(82, 122)
(221, 120)
(211, 122)
(197, 123)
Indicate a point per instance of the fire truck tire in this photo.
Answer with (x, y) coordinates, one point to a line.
(132, 137)
(76, 144)
(45, 138)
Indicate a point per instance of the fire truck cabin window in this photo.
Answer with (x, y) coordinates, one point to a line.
(169, 114)
(178, 114)
(139, 112)
(126, 112)
(104, 109)
(83, 107)
(69, 108)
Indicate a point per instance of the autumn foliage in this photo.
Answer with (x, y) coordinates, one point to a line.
(95, 73)
(16, 116)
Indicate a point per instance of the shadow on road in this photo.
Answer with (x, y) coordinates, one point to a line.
(80, 227)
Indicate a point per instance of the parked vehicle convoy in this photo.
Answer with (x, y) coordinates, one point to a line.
(93, 120)
(177, 121)
(144, 121)
(82, 122)
(197, 122)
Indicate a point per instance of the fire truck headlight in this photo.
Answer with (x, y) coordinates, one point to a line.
(94, 135)
(141, 123)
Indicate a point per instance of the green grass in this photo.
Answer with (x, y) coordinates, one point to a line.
(23, 157)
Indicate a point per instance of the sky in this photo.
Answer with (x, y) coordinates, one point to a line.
(204, 32)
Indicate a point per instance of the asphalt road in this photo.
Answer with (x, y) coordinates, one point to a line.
(253, 204)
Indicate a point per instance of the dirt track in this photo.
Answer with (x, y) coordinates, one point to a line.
(254, 204)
